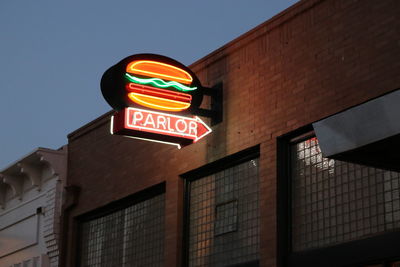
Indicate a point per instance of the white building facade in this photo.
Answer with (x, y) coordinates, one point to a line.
(30, 209)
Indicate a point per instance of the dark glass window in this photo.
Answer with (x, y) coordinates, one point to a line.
(133, 236)
(334, 202)
(224, 217)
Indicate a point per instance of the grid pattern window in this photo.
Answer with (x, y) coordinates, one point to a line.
(335, 202)
(224, 217)
(133, 236)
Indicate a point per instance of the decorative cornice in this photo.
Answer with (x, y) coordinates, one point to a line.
(34, 173)
(38, 166)
(15, 182)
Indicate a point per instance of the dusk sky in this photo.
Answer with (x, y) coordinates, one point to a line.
(53, 54)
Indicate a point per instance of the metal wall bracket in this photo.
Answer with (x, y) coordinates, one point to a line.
(216, 110)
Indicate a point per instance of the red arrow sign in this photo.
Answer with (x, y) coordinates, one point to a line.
(158, 126)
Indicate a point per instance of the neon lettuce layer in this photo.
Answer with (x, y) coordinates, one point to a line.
(159, 83)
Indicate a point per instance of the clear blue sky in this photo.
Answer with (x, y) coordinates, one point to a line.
(53, 53)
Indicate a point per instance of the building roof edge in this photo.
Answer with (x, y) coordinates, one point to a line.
(263, 28)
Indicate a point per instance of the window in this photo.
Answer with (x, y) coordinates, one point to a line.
(334, 211)
(223, 217)
(335, 201)
(131, 236)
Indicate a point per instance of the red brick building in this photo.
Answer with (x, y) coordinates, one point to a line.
(257, 191)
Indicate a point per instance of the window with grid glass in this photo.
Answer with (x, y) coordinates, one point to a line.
(133, 236)
(335, 202)
(224, 215)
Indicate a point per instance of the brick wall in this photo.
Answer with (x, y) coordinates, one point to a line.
(313, 60)
(52, 222)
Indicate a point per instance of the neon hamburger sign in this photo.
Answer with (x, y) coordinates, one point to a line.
(155, 98)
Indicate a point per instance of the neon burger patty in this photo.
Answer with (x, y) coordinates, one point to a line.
(158, 98)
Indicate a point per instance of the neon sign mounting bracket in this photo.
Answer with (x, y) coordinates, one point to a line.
(216, 111)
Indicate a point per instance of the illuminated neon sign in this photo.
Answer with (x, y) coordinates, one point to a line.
(146, 124)
(154, 97)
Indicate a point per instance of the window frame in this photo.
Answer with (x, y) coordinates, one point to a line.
(206, 170)
(114, 206)
(379, 248)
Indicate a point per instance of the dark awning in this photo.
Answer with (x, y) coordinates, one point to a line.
(367, 134)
